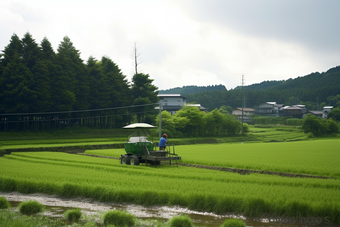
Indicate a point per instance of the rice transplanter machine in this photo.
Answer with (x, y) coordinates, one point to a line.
(140, 150)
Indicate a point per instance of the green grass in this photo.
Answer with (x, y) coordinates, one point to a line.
(73, 215)
(74, 137)
(69, 175)
(119, 218)
(107, 152)
(4, 204)
(30, 207)
(318, 157)
(9, 218)
(277, 133)
(181, 221)
(232, 222)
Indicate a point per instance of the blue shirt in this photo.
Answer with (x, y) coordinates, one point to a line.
(162, 141)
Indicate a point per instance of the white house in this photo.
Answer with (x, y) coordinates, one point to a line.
(171, 102)
(326, 110)
(174, 102)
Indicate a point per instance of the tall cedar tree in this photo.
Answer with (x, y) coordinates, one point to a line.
(74, 75)
(33, 56)
(143, 92)
(118, 87)
(16, 80)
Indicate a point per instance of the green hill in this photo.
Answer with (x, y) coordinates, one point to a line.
(313, 89)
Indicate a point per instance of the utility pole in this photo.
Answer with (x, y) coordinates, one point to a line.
(242, 98)
(160, 119)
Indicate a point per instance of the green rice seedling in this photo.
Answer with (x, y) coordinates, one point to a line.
(233, 222)
(72, 215)
(4, 204)
(30, 207)
(119, 218)
(181, 221)
(198, 189)
(9, 218)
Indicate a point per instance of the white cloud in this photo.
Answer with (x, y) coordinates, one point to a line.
(196, 44)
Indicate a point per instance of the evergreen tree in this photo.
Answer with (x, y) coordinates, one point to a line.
(143, 92)
(16, 80)
(73, 76)
(33, 56)
(99, 97)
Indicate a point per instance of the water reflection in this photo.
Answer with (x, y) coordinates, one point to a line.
(55, 207)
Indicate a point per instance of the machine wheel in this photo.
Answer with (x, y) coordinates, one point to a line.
(134, 160)
(125, 160)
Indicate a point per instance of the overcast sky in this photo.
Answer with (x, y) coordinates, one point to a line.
(189, 42)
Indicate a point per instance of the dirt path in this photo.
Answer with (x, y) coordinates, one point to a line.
(234, 170)
(248, 171)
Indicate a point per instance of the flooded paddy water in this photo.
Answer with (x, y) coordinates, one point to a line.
(94, 210)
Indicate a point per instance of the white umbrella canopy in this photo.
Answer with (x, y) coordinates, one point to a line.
(139, 125)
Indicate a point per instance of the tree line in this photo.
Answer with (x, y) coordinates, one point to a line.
(59, 88)
(191, 122)
(314, 90)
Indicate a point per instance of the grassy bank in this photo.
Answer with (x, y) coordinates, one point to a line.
(81, 137)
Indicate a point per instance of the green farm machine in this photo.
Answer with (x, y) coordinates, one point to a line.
(140, 150)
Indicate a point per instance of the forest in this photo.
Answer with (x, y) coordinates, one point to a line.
(314, 90)
(43, 89)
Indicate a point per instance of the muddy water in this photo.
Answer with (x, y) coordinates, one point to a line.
(93, 210)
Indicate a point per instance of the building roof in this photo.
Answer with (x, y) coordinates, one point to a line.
(171, 96)
(291, 108)
(245, 109)
(196, 105)
(316, 112)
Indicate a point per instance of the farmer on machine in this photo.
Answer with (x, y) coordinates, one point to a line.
(162, 142)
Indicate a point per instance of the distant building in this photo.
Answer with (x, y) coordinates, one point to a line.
(198, 106)
(247, 112)
(174, 102)
(296, 111)
(318, 113)
(326, 110)
(269, 109)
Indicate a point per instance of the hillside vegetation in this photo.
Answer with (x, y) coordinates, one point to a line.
(315, 88)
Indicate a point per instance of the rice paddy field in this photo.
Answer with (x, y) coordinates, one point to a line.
(252, 195)
(72, 175)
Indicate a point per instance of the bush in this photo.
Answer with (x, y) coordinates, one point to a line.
(245, 127)
(233, 223)
(119, 218)
(30, 207)
(72, 215)
(4, 204)
(294, 121)
(181, 221)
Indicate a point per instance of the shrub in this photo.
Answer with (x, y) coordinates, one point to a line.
(233, 222)
(181, 221)
(72, 215)
(2, 152)
(4, 204)
(30, 207)
(294, 121)
(245, 127)
(119, 218)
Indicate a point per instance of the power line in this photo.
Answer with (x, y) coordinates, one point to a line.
(73, 118)
(79, 111)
